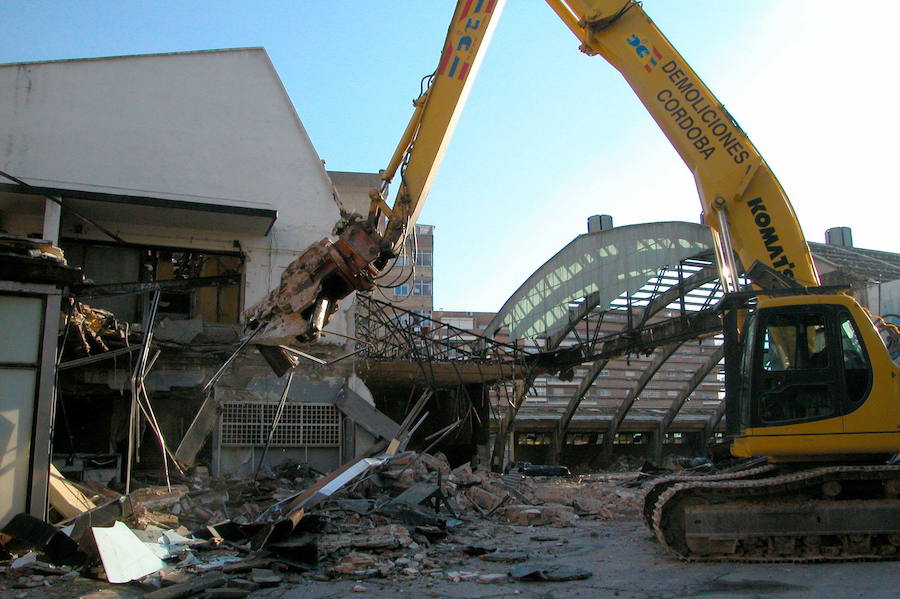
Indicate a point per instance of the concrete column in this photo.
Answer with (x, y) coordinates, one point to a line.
(655, 451)
(45, 408)
(482, 432)
(559, 437)
(52, 212)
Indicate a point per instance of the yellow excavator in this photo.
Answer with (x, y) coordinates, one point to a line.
(811, 385)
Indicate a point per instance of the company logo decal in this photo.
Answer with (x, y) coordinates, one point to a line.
(651, 56)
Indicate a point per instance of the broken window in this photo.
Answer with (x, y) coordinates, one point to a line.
(630, 439)
(584, 438)
(196, 284)
(675, 439)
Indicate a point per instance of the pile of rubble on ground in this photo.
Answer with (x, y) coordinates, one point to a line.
(402, 515)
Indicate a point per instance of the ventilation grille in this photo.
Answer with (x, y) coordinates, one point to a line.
(302, 425)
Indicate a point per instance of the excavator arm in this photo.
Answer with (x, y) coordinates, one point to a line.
(742, 201)
(788, 410)
(421, 149)
(328, 271)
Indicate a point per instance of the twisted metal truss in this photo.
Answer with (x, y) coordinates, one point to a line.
(389, 333)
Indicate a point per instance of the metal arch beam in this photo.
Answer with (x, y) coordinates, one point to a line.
(581, 312)
(695, 281)
(658, 303)
(586, 383)
(626, 404)
(692, 384)
(607, 262)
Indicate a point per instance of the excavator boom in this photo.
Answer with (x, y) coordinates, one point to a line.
(328, 271)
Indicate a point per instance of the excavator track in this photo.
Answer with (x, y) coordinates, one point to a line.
(837, 513)
(659, 486)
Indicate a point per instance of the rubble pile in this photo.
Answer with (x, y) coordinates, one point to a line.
(588, 498)
(392, 516)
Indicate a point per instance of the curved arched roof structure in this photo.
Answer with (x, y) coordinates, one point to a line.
(608, 263)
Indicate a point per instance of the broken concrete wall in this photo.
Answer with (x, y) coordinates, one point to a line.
(214, 158)
(226, 169)
(310, 421)
(313, 430)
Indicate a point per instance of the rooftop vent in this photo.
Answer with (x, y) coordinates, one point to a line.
(839, 236)
(599, 222)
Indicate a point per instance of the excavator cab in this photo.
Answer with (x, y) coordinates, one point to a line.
(806, 363)
(805, 387)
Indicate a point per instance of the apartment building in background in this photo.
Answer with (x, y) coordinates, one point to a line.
(409, 282)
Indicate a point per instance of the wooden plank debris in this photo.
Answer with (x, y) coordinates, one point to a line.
(66, 498)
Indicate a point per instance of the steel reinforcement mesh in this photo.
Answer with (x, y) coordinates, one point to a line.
(247, 424)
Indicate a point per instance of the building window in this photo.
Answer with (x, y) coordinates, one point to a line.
(421, 288)
(630, 439)
(604, 373)
(675, 439)
(424, 258)
(401, 260)
(401, 290)
(584, 438)
(534, 438)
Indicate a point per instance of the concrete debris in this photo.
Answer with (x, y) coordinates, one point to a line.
(538, 515)
(587, 498)
(265, 578)
(547, 572)
(407, 516)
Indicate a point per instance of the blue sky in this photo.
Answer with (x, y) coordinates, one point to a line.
(549, 136)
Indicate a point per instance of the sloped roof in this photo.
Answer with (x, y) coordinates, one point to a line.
(862, 263)
(212, 127)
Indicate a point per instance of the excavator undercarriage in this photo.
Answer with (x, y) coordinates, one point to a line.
(779, 513)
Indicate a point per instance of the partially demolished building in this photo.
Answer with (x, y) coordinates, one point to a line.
(181, 184)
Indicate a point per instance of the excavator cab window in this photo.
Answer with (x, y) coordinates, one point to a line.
(789, 345)
(857, 372)
(794, 375)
